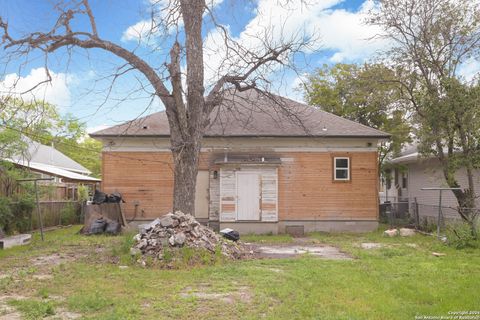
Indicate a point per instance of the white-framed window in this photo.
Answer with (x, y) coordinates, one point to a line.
(341, 168)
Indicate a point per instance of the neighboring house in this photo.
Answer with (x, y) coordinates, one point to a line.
(47, 162)
(413, 172)
(265, 166)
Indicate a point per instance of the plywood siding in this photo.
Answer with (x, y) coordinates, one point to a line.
(307, 190)
(143, 178)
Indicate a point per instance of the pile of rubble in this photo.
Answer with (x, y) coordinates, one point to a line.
(175, 230)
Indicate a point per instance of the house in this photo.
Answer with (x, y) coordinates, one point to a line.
(267, 164)
(48, 162)
(412, 172)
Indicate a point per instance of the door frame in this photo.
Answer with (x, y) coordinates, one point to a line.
(207, 198)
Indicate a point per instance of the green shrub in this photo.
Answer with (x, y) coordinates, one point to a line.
(6, 215)
(68, 215)
(82, 193)
(459, 235)
(22, 210)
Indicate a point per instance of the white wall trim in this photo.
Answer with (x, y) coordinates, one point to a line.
(245, 149)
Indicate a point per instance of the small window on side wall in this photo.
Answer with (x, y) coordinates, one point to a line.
(341, 168)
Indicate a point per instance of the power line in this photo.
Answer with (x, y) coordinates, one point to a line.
(112, 154)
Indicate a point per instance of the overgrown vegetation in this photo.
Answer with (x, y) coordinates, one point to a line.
(459, 235)
(33, 309)
(15, 213)
(68, 215)
(394, 281)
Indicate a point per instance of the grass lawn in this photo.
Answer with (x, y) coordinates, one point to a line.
(70, 275)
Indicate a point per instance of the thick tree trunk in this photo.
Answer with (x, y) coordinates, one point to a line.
(185, 177)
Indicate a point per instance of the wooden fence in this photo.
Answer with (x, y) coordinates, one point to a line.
(56, 213)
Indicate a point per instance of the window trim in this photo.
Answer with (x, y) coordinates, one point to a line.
(348, 168)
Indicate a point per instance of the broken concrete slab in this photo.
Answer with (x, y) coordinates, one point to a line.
(203, 292)
(286, 251)
(406, 232)
(371, 245)
(16, 240)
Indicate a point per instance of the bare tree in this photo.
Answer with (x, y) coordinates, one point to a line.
(431, 40)
(183, 95)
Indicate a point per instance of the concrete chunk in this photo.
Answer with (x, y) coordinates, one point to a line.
(405, 232)
(166, 222)
(13, 241)
(390, 233)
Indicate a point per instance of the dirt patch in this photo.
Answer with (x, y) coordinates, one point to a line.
(42, 277)
(54, 259)
(293, 250)
(64, 315)
(10, 315)
(203, 292)
(7, 312)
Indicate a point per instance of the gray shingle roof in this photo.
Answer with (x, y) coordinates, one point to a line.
(251, 114)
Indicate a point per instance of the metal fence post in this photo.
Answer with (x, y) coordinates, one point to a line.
(439, 214)
(417, 214)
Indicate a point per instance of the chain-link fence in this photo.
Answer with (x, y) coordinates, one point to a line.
(425, 217)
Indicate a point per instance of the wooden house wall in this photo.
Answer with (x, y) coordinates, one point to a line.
(306, 190)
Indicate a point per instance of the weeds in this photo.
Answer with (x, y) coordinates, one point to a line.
(34, 309)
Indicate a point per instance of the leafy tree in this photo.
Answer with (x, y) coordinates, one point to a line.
(19, 117)
(368, 94)
(42, 122)
(431, 40)
(86, 151)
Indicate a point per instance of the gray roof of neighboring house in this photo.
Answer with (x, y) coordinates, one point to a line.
(408, 154)
(37, 153)
(251, 114)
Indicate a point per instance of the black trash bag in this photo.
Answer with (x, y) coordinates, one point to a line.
(98, 226)
(114, 198)
(232, 235)
(113, 227)
(99, 197)
(118, 197)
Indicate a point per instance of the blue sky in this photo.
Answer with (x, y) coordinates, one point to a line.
(79, 86)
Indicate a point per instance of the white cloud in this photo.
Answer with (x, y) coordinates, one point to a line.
(138, 31)
(55, 91)
(470, 69)
(339, 30)
(346, 33)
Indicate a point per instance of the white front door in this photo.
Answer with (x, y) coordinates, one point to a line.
(248, 196)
